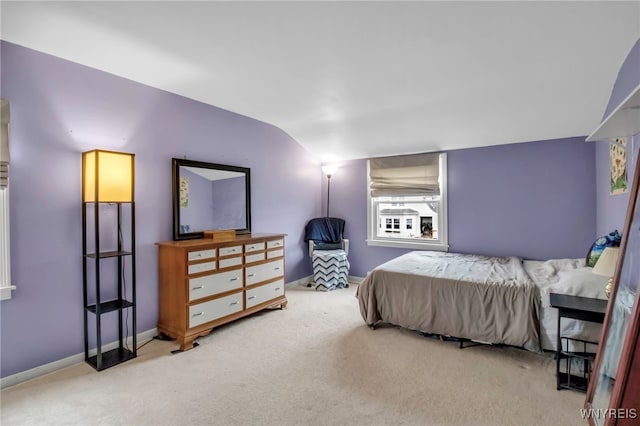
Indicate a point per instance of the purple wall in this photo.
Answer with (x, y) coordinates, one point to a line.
(60, 109)
(627, 80)
(227, 203)
(218, 204)
(534, 200)
(612, 208)
(197, 214)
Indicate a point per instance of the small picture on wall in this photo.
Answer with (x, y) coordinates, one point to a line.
(618, 165)
(184, 192)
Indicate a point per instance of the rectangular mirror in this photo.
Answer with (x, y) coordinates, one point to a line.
(209, 196)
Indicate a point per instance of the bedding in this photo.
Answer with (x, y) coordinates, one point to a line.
(481, 298)
(565, 276)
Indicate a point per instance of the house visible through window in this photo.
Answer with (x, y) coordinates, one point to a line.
(408, 194)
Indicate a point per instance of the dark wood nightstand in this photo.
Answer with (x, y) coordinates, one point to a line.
(583, 309)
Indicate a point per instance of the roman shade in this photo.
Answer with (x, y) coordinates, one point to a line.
(4, 143)
(415, 174)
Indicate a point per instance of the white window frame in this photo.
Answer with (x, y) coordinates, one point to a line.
(5, 256)
(442, 244)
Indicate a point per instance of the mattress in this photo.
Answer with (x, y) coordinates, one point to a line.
(481, 298)
(565, 276)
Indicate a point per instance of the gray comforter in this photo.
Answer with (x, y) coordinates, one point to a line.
(486, 299)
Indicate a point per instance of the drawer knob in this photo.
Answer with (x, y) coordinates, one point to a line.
(251, 297)
(233, 303)
(251, 275)
(277, 288)
(198, 314)
(277, 268)
(197, 288)
(252, 247)
(234, 279)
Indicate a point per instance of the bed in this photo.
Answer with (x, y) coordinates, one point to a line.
(565, 276)
(496, 300)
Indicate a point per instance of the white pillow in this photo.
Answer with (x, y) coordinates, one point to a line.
(580, 282)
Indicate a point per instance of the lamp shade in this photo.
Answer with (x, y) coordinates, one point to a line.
(329, 169)
(606, 264)
(107, 177)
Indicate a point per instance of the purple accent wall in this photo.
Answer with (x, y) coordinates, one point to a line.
(227, 203)
(534, 200)
(612, 208)
(197, 214)
(218, 204)
(627, 80)
(60, 109)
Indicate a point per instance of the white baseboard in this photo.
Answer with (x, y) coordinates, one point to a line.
(302, 281)
(41, 370)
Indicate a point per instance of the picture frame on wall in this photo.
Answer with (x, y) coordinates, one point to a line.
(618, 166)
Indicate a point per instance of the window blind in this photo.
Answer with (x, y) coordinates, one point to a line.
(4, 143)
(415, 174)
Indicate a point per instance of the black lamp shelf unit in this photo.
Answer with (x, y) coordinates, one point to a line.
(122, 302)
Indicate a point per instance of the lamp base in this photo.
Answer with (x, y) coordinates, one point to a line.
(609, 287)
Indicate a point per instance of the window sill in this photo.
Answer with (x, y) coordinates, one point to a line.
(5, 292)
(409, 245)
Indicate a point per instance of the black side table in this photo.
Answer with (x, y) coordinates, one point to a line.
(583, 309)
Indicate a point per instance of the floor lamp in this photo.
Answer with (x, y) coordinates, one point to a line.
(329, 170)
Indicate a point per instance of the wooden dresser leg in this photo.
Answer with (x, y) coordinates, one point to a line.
(187, 343)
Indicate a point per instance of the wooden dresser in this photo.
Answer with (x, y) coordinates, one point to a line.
(204, 283)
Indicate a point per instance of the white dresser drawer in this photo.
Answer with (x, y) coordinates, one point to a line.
(248, 248)
(228, 251)
(275, 253)
(231, 261)
(255, 274)
(250, 258)
(215, 283)
(201, 267)
(275, 243)
(261, 294)
(202, 254)
(214, 309)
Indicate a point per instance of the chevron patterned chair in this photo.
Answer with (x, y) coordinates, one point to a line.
(328, 251)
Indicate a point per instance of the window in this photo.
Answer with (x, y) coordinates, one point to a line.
(388, 222)
(5, 259)
(410, 190)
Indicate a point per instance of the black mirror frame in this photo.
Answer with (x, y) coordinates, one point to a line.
(175, 165)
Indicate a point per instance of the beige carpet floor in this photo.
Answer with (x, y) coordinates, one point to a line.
(314, 363)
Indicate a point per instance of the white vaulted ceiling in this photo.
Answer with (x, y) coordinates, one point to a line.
(358, 79)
